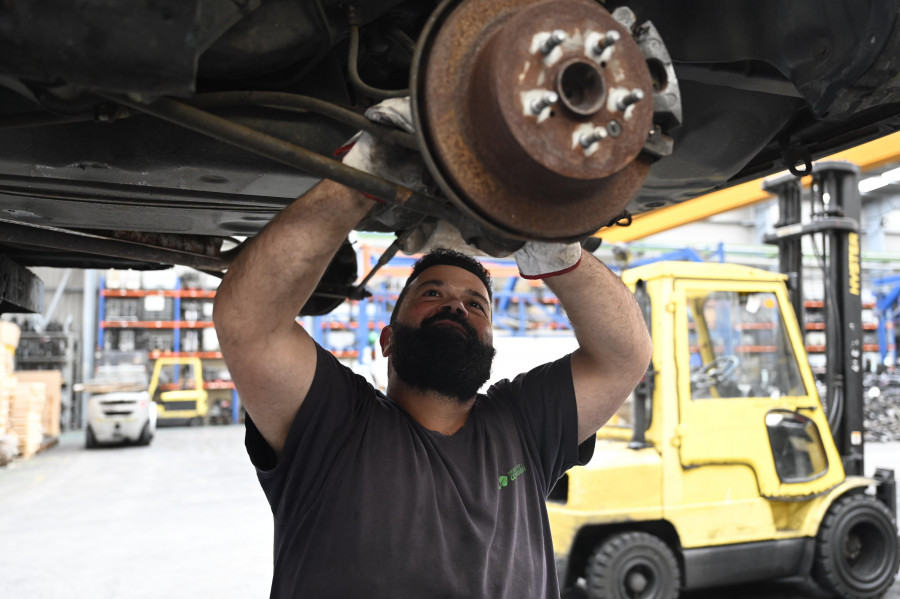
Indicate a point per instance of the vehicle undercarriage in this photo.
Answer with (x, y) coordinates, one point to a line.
(166, 132)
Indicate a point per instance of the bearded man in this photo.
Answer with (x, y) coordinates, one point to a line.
(429, 489)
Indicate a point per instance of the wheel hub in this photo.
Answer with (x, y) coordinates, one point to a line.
(636, 582)
(532, 113)
(852, 547)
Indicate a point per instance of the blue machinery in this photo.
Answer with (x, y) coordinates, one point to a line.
(888, 311)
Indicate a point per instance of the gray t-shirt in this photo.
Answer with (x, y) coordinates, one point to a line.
(368, 503)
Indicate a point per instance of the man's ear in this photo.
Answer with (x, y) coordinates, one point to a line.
(385, 341)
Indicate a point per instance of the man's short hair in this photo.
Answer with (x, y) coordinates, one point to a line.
(444, 257)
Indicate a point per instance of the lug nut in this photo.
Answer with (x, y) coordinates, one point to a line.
(547, 99)
(556, 38)
(606, 40)
(589, 139)
(633, 97)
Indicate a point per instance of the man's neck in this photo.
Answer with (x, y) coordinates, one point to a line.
(435, 412)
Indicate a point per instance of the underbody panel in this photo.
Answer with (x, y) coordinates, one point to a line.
(736, 91)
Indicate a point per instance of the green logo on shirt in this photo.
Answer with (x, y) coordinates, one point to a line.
(512, 475)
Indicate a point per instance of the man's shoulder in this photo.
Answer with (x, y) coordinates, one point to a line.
(497, 406)
(552, 371)
(330, 367)
(337, 388)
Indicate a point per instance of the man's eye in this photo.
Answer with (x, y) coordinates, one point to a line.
(432, 292)
(478, 305)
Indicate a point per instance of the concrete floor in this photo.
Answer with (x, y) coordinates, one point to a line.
(181, 518)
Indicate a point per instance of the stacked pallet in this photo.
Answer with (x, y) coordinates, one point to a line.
(6, 386)
(8, 441)
(9, 340)
(53, 383)
(26, 408)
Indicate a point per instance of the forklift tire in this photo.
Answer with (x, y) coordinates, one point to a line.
(90, 441)
(145, 437)
(632, 564)
(857, 551)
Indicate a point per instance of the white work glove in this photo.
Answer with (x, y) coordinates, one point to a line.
(539, 260)
(385, 159)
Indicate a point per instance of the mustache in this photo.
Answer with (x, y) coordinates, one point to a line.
(452, 317)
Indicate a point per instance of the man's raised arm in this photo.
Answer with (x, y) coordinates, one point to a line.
(614, 345)
(270, 357)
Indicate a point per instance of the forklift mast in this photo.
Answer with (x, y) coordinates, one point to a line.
(833, 223)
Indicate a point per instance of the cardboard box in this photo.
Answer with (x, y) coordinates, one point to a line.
(53, 381)
(7, 360)
(9, 334)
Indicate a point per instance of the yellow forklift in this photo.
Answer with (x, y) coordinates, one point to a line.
(178, 390)
(725, 466)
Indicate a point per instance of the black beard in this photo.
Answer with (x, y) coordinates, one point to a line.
(441, 358)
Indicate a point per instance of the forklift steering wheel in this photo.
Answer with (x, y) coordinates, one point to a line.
(716, 372)
(719, 370)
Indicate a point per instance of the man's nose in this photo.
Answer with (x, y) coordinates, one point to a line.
(454, 305)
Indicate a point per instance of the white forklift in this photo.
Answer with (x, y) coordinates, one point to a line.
(120, 409)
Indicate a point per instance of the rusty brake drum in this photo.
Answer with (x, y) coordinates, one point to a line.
(535, 116)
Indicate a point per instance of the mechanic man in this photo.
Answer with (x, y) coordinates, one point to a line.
(429, 490)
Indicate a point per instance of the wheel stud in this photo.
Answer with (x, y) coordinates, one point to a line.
(589, 139)
(557, 37)
(606, 40)
(633, 97)
(547, 99)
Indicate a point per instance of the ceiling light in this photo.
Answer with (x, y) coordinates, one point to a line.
(892, 175)
(873, 183)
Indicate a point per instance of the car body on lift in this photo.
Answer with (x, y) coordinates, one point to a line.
(729, 467)
(149, 134)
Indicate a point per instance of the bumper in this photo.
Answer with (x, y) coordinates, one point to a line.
(117, 431)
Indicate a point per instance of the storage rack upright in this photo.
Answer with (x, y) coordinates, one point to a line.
(175, 323)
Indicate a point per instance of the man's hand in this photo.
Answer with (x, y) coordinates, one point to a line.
(385, 159)
(540, 260)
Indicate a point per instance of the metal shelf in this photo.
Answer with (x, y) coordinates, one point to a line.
(156, 324)
(185, 293)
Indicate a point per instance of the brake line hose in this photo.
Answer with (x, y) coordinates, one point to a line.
(353, 72)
